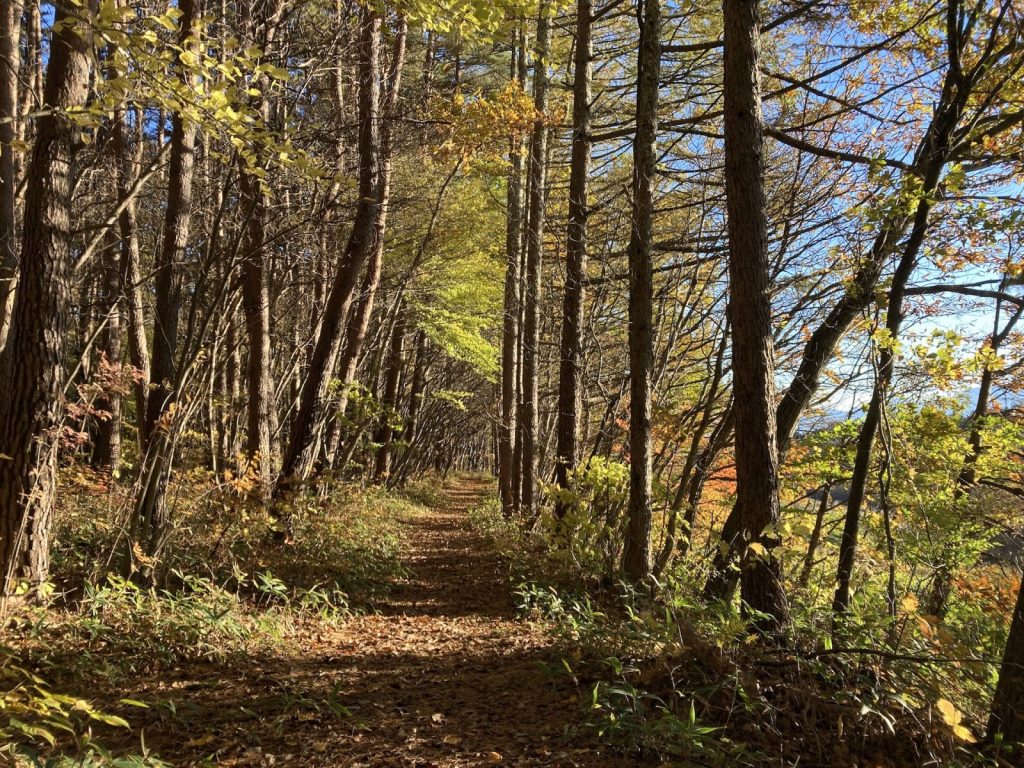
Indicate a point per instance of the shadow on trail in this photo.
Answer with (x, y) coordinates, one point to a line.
(445, 674)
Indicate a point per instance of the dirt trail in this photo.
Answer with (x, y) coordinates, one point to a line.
(448, 675)
(445, 675)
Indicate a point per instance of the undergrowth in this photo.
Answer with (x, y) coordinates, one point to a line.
(668, 678)
(225, 594)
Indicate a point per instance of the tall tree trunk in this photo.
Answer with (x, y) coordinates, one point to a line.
(929, 162)
(534, 264)
(389, 403)
(10, 60)
(297, 459)
(151, 522)
(636, 559)
(263, 18)
(571, 364)
(507, 428)
(125, 167)
(883, 378)
(107, 448)
(750, 314)
(32, 368)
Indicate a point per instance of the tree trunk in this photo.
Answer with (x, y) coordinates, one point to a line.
(570, 368)
(636, 561)
(32, 369)
(750, 314)
(1007, 717)
(151, 522)
(131, 278)
(107, 448)
(10, 60)
(534, 259)
(261, 24)
(360, 323)
(389, 403)
(508, 429)
(866, 438)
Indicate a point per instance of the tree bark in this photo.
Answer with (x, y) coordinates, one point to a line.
(32, 369)
(263, 18)
(750, 314)
(571, 362)
(1007, 716)
(10, 60)
(151, 522)
(534, 265)
(508, 427)
(636, 560)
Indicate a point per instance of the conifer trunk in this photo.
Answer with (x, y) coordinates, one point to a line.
(636, 563)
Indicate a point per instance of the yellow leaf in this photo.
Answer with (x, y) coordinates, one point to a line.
(950, 714)
(963, 733)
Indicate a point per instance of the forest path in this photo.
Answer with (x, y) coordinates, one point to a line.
(444, 674)
(447, 674)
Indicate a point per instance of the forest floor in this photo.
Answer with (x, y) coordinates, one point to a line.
(443, 673)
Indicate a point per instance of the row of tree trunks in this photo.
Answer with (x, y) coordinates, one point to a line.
(262, 18)
(357, 330)
(301, 449)
(931, 157)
